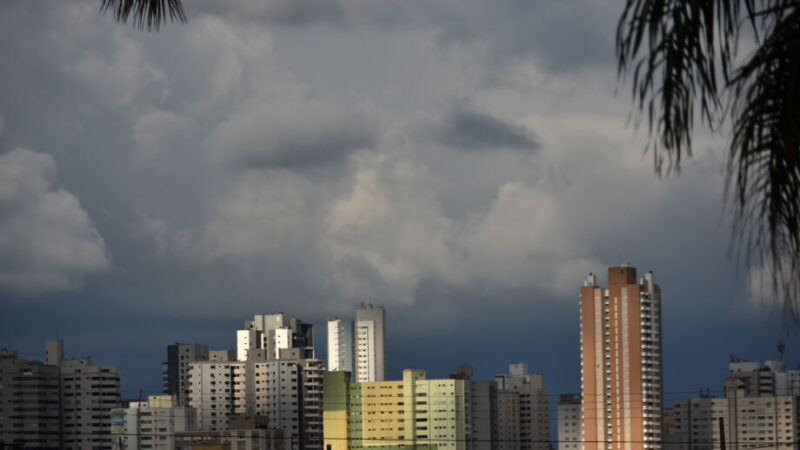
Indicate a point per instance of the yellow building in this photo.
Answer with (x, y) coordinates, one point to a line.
(415, 412)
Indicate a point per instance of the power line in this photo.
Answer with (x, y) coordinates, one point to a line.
(210, 433)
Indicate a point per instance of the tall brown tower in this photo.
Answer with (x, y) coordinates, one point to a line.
(621, 362)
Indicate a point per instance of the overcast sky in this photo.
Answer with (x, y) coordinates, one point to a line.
(463, 163)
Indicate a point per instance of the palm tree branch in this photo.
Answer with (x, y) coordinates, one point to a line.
(145, 14)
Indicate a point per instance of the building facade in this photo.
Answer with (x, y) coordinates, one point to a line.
(341, 345)
(370, 344)
(743, 421)
(359, 347)
(63, 403)
(570, 428)
(212, 393)
(29, 402)
(480, 410)
(176, 368)
(150, 424)
(88, 394)
(621, 375)
(272, 333)
(533, 423)
(414, 412)
(222, 355)
(508, 425)
(770, 379)
(243, 433)
(287, 393)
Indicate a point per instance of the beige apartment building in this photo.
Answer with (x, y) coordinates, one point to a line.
(621, 362)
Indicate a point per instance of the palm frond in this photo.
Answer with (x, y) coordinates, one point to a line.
(145, 14)
(677, 50)
(764, 157)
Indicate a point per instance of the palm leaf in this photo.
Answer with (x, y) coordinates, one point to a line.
(677, 51)
(149, 14)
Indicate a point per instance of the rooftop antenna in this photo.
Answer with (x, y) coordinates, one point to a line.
(781, 350)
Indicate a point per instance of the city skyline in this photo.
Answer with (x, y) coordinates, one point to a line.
(462, 164)
(154, 379)
(487, 365)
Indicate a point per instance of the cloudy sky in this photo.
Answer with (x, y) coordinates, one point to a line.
(463, 163)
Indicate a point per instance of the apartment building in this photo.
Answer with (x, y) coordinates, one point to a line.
(88, 394)
(534, 416)
(480, 410)
(359, 346)
(771, 378)
(621, 375)
(150, 424)
(272, 333)
(61, 403)
(243, 433)
(570, 427)
(287, 392)
(29, 402)
(746, 418)
(341, 345)
(387, 415)
(176, 369)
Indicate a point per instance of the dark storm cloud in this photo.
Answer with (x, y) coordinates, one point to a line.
(150, 133)
(465, 129)
(292, 135)
(559, 36)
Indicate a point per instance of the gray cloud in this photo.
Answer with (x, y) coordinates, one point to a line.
(295, 134)
(278, 12)
(302, 12)
(378, 222)
(501, 35)
(550, 34)
(466, 129)
(47, 241)
(157, 135)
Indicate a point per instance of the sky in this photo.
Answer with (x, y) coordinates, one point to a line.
(463, 163)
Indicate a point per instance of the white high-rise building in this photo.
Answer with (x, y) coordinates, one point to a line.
(370, 344)
(150, 424)
(359, 347)
(770, 379)
(288, 392)
(213, 387)
(245, 340)
(274, 332)
(341, 345)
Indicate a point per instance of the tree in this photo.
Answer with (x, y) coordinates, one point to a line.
(149, 14)
(684, 59)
